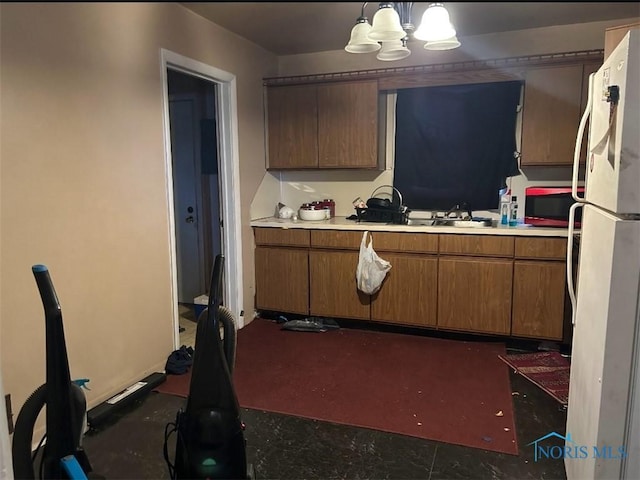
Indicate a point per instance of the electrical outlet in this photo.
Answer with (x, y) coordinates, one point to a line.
(7, 402)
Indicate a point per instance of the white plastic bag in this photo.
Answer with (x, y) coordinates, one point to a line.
(371, 268)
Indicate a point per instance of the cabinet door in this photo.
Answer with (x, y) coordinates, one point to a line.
(409, 293)
(282, 279)
(551, 115)
(333, 285)
(538, 299)
(348, 125)
(614, 35)
(292, 126)
(474, 294)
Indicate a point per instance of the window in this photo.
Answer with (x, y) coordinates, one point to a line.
(455, 144)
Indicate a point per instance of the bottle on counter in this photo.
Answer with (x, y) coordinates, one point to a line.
(505, 204)
(513, 213)
(328, 202)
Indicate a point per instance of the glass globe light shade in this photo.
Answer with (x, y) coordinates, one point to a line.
(360, 41)
(393, 50)
(448, 44)
(435, 24)
(386, 25)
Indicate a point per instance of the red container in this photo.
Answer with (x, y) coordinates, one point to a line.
(328, 202)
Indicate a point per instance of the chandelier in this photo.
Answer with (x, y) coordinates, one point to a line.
(392, 28)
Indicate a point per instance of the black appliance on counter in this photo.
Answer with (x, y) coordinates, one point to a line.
(384, 208)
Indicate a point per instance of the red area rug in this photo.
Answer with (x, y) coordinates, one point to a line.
(548, 370)
(445, 390)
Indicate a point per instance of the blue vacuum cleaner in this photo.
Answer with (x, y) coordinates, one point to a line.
(63, 456)
(210, 441)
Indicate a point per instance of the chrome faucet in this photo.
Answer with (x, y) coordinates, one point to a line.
(460, 209)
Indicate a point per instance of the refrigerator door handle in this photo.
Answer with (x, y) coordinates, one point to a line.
(581, 129)
(570, 286)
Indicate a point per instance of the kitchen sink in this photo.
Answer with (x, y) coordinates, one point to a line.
(451, 222)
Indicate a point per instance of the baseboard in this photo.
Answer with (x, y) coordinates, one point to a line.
(101, 412)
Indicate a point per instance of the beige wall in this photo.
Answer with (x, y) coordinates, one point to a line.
(535, 41)
(83, 186)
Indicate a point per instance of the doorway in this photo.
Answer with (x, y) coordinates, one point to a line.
(194, 152)
(201, 158)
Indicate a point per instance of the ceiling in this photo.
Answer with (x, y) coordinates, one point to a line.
(307, 27)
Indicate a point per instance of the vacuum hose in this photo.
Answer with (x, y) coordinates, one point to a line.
(227, 319)
(25, 422)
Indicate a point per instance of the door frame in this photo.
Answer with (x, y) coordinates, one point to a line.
(229, 177)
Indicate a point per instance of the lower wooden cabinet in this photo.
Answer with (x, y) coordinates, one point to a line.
(409, 292)
(282, 279)
(333, 291)
(497, 285)
(474, 294)
(538, 299)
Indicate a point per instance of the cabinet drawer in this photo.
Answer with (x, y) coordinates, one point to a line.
(405, 242)
(336, 239)
(493, 245)
(547, 248)
(281, 236)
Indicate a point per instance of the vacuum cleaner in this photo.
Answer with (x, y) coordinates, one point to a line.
(63, 456)
(210, 441)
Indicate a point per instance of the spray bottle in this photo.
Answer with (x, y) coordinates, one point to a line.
(505, 201)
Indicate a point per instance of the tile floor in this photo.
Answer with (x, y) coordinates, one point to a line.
(279, 446)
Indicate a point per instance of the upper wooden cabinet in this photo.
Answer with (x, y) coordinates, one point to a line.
(613, 36)
(551, 114)
(333, 125)
(348, 125)
(292, 118)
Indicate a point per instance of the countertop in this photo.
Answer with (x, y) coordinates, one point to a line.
(341, 223)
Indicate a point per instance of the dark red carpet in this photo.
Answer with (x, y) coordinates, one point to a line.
(450, 391)
(548, 370)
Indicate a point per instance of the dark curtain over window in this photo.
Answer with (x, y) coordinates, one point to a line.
(455, 144)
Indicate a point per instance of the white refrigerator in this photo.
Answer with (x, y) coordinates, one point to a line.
(603, 415)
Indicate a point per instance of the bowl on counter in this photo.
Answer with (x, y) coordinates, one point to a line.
(310, 215)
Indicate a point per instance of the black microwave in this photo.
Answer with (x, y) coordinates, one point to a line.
(549, 206)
